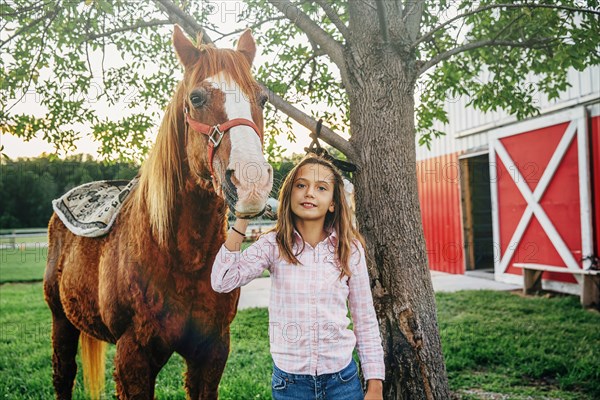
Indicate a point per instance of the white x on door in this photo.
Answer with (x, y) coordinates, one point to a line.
(541, 197)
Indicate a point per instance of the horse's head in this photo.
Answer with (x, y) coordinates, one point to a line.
(222, 106)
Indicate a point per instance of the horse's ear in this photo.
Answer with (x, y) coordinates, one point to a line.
(247, 46)
(187, 53)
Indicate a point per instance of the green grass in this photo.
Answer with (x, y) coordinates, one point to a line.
(493, 342)
(25, 353)
(40, 239)
(23, 264)
(535, 346)
(25, 239)
(27, 264)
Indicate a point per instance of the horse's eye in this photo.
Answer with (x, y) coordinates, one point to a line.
(198, 99)
(262, 100)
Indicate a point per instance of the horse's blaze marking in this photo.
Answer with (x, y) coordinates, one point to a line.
(245, 144)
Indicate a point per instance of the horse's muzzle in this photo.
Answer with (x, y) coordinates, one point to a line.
(231, 197)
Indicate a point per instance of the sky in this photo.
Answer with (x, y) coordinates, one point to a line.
(15, 147)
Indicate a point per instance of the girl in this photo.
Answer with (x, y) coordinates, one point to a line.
(317, 262)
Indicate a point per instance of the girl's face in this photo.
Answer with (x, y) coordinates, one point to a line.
(312, 192)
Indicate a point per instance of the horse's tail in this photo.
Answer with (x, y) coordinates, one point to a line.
(93, 353)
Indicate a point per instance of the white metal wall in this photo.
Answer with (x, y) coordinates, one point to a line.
(468, 127)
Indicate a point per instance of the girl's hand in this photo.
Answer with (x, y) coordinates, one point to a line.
(374, 390)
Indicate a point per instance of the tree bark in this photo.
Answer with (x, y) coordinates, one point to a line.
(381, 95)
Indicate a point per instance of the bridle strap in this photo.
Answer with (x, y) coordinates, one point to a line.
(215, 133)
(224, 127)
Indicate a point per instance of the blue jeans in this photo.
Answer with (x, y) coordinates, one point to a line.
(343, 385)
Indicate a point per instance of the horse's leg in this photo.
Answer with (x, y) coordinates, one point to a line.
(205, 369)
(65, 338)
(136, 368)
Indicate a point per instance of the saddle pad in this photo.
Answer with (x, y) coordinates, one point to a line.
(90, 209)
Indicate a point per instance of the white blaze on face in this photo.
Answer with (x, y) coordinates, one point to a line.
(246, 157)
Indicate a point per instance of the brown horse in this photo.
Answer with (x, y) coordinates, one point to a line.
(145, 285)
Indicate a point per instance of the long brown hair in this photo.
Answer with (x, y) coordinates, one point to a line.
(340, 218)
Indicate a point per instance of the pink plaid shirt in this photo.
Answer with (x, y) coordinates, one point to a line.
(308, 322)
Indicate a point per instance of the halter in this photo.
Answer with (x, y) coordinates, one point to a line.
(215, 133)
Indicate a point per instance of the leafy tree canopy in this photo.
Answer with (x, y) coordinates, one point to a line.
(56, 54)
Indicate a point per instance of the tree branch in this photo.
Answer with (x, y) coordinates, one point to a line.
(505, 28)
(255, 25)
(313, 31)
(87, 50)
(303, 119)
(412, 17)
(313, 71)
(334, 17)
(50, 14)
(42, 48)
(302, 66)
(178, 16)
(25, 9)
(103, 52)
(399, 6)
(383, 25)
(140, 24)
(533, 43)
(432, 32)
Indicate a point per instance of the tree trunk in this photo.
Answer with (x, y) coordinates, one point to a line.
(381, 94)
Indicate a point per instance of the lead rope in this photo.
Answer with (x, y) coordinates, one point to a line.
(315, 147)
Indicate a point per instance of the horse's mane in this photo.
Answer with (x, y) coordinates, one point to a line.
(161, 175)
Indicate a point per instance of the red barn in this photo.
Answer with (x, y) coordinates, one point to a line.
(496, 192)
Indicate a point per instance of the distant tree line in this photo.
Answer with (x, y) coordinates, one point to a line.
(28, 185)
